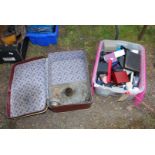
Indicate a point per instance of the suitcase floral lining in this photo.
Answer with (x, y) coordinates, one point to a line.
(59, 82)
(20, 88)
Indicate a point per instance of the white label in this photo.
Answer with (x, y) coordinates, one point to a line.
(10, 53)
(9, 59)
(131, 79)
(135, 51)
(119, 53)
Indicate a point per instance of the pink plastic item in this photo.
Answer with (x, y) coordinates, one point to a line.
(138, 98)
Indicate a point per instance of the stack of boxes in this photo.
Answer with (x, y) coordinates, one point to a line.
(13, 43)
(14, 40)
(119, 68)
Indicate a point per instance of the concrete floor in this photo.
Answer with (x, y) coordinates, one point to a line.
(104, 113)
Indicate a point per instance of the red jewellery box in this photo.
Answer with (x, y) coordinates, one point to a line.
(59, 82)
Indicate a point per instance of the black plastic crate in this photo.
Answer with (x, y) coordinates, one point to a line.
(14, 53)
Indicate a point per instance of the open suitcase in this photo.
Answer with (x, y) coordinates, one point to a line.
(59, 82)
(111, 45)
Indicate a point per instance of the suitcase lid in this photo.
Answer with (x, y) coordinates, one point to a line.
(23, 98)
(54, 79)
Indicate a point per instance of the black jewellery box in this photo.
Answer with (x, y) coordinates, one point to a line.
(59, 82)
(13, 53)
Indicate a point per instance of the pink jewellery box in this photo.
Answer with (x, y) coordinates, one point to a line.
(59, 82)
(136, 93)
